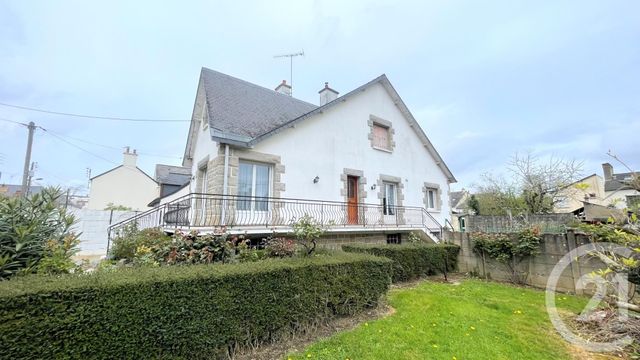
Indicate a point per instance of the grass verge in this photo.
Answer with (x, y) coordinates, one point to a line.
(472, 320)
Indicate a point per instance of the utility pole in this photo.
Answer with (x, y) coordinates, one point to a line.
(27, 159)
(291, 56)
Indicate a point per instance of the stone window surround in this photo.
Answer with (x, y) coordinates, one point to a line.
(382, 122)
(362, 181)
(399, 187)
(216, 170)
(399, 194)
(438, 198)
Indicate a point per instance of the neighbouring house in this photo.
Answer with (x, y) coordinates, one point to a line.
(260, 159)
(170, 179)
(125, 185)
(16, 190)
(459, 209)
(618, 190)
(572, 198)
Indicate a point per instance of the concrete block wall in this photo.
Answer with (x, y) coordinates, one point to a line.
(552, 248)
(92, 226)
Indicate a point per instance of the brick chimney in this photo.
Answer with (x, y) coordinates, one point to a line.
(284, 88)
(607, 170)
(129, 158)
(327, 94)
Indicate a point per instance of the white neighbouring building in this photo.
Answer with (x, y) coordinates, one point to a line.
(359, 163)
(126, 185)
(619, 192)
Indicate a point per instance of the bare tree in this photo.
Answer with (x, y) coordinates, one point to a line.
(540, 181)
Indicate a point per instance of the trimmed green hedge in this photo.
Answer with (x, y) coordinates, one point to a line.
(198, 311)
(412, 260)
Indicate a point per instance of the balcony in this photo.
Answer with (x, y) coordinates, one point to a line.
(260, 215)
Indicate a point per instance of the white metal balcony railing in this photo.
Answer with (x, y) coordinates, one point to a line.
(197, 211)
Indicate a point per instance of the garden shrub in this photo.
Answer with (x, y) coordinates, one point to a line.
(412, 261)
(126, 243)
(198, 311)
(509, 249)
(32, 229)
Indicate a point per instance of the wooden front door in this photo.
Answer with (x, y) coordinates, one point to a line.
(352, 199)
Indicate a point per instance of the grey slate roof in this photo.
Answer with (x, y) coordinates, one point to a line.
(618, 182)
(455, 197)
(172, 175)
(247, 110)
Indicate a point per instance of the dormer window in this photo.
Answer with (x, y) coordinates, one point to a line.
(381, 134)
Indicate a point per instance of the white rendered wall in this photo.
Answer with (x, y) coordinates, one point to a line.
(325, 144)
(126, 186)
(619, 198)
(92, 226)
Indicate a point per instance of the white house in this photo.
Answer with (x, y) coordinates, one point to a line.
(259, 159)
(125, 185)
(617, 187)
(573, 197)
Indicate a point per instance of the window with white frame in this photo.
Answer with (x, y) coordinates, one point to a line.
(253, 186)
(431, 197)
(389, 198)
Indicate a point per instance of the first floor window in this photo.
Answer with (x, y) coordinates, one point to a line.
(389, 199)
(381, 137)
(253, 186)
(431, 198)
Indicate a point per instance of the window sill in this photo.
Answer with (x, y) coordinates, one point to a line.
(382, 149)
(433, 210)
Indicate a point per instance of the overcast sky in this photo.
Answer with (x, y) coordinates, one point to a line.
(484, 78)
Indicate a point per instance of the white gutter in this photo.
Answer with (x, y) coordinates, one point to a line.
(225, 184)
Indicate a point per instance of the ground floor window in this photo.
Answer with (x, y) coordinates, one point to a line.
(394, 238)
(389, 198)
(254, 185)
(431, 198)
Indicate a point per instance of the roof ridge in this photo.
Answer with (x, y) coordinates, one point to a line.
(257, 86)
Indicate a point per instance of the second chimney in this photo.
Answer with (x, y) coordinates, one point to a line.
(129, 158)
(284, 88)
(607, 171)
(327, 94)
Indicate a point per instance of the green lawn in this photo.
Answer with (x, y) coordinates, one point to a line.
(473, 320)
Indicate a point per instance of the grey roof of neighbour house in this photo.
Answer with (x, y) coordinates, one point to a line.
(455, 197)
(618, 182)
(247, 110)
(13, 190)
(172, 175)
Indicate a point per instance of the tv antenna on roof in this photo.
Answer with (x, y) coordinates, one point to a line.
(291, 56)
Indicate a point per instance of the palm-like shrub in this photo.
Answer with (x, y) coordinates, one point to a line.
(33, 228)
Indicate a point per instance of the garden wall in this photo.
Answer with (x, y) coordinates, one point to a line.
(552, 223)
(552, 248)
(93, 225)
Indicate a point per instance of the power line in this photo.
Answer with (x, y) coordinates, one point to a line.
(90, 116)
(76, 146)
(112, 147)
(15, 122)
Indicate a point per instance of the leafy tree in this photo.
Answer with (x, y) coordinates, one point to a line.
(474, 204)
(532, 188)
(35, 234)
